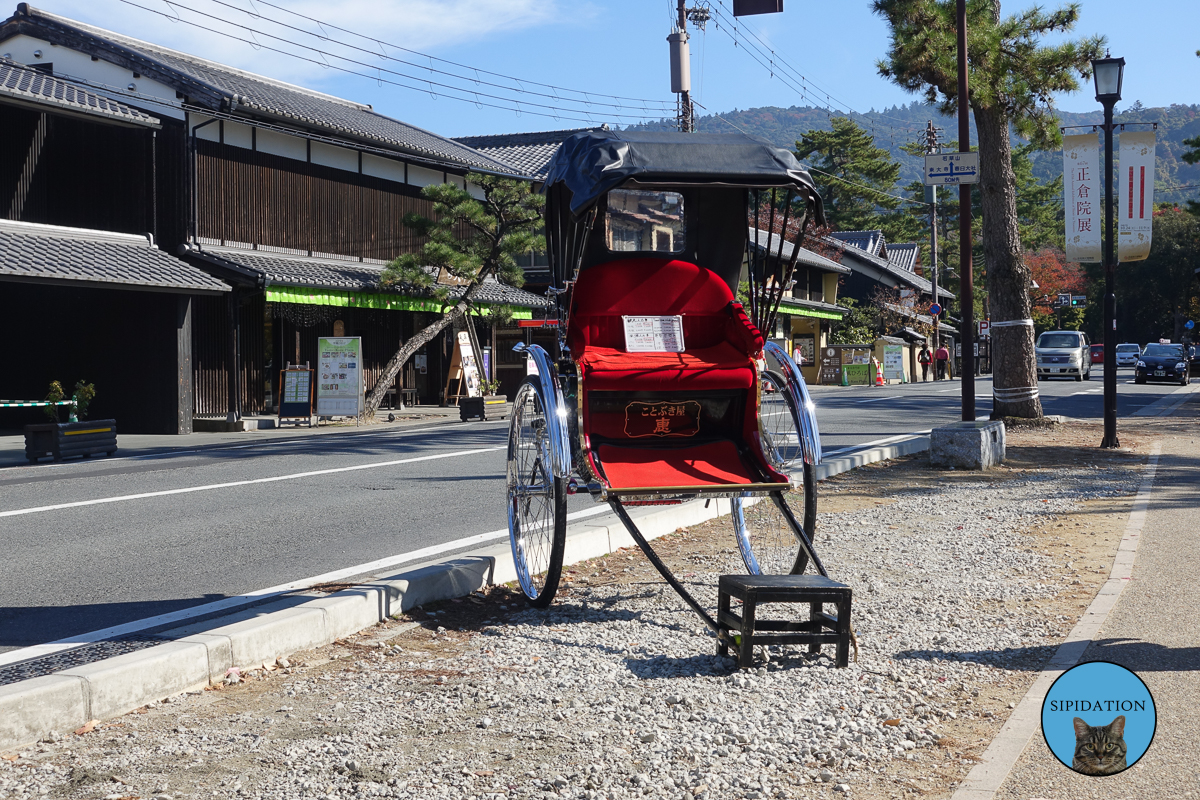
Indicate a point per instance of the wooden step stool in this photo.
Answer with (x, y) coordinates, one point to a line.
(821, 628)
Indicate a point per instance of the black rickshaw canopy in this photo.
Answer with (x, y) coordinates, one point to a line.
(590, 164)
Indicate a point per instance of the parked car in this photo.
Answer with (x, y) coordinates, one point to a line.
(1127, 354)
(1163, 362)
(1097, 354)
(1063, 354)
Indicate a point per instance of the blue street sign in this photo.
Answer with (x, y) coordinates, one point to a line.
(1189, 324)
(935, 309)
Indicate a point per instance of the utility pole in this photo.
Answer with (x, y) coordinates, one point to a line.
(932, 147)
(681, 69)
(966, 281)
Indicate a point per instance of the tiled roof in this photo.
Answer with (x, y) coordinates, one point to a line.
(871, 241)
(216, 86)
(529, 152)
(278, 269)
(904, 256)
(27, 85)
(807, 257)
(80, 257)
(909, 278)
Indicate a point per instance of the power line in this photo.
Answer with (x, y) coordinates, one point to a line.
(477, 70)
(868, 188)
(779, 64)
(517, 106)
(662, 104)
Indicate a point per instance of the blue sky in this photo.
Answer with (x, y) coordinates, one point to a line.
(603, 48)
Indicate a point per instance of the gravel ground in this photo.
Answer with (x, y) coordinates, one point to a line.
(615, 691)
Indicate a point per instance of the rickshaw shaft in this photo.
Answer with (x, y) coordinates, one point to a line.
(662, 568)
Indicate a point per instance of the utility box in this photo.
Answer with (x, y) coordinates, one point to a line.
(967, 445)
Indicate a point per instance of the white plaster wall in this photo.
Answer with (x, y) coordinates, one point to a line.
(457, 180)
(383, 168)
(338, 157)
(238, 135)
(475, 191)
(155, 97)
(281, 144)
(209, 132)
(423, 176)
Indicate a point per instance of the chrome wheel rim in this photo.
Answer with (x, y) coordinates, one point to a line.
(530, 485)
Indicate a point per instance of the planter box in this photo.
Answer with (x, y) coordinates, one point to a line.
(67, 439)
(495, 406)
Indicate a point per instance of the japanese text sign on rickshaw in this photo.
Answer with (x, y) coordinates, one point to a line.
(654, 334)
(339, 376)
(1082, 196)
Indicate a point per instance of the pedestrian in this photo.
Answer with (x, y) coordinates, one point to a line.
(924, 358)
(942, 357)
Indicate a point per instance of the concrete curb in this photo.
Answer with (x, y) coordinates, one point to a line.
(986, 777)
(204, 652)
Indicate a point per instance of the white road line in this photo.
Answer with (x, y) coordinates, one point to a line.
(228, 603)
(880, 399)
(219, 446)
(876, 443)
(211, 486)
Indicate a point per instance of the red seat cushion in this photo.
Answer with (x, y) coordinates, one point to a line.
(702, 465)
(721, 366)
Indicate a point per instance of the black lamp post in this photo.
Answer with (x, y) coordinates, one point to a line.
(1108, 74)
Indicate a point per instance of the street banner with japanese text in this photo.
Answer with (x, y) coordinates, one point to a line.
(1082, 196)
(1135, 184)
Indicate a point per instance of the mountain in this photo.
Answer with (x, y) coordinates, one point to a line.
(897, 125)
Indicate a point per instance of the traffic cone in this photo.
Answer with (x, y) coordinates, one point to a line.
(878, 372)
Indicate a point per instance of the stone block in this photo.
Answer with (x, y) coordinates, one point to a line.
(123, 683)
(32, 708)
(967, 445)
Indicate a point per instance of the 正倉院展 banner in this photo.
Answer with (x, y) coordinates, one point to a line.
(1082, 196)
(1135, 184)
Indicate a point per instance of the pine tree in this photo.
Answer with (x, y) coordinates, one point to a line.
(472, 240)
(857, 181)
(1012, 79)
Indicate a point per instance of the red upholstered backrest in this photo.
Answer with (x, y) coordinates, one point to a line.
(651, 287)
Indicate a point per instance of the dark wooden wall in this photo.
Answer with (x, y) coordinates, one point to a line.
(86, 175)
(124, 342)
(210, 355)
(257, 198)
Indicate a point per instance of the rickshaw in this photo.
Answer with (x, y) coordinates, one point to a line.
(661, 388)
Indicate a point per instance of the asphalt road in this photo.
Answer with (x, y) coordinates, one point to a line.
(89, 545)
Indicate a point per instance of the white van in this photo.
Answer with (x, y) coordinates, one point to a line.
(1127, 354)
(1063, 354)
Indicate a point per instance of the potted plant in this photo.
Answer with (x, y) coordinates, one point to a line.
(481, 407)
(76, 437)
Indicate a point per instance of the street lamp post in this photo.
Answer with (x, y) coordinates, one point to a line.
(1108, 74)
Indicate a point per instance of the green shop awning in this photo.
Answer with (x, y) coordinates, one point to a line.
(376, 300)
(797, 310)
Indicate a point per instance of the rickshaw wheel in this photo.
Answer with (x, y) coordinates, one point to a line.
(767, 542)
(537, 502)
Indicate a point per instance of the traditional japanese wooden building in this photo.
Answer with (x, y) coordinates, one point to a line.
(85, 292)
(292, 197)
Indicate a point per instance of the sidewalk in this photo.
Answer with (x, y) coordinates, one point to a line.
(12, 444)
(1152, 631)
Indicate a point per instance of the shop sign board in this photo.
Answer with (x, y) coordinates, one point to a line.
(893, 362)
(339, 376)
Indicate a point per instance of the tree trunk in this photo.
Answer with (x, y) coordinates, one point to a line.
(1014, 366)
(410, 347)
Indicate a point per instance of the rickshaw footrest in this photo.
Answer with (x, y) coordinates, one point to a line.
(819, 629)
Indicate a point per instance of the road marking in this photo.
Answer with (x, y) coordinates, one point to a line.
(876, 443)
(211, 486)
(879, 399)
(219, 446)
(228, 603)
